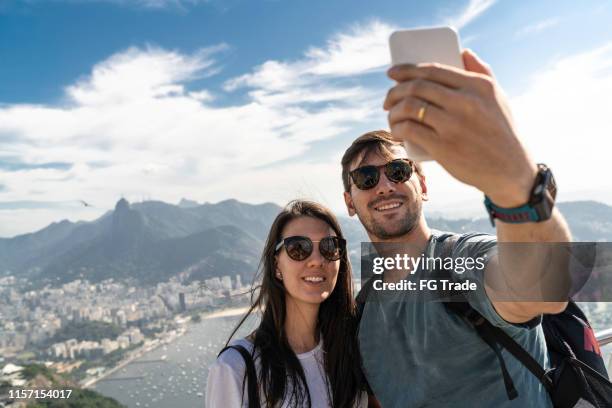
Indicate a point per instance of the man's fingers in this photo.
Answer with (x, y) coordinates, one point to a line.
(432, 92)
(443, 74)
(416, 133)
(473, 63)
(417, 110)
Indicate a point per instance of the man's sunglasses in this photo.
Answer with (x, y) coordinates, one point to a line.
(299, 248)
(367, 177)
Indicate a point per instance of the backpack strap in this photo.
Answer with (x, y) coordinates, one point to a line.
(361, 299)
(363, 295)
(492, 335)
(496, 337)
(250, 375)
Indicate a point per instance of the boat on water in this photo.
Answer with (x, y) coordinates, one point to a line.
(183, 375)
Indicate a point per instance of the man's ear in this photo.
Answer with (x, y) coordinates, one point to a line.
(350, 207)
(423, 185)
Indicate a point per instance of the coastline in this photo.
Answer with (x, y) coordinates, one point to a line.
(227, 312)
(136, 354)
(90, 382)
(154, 344)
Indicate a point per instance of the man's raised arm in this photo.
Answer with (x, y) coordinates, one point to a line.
(461, 118)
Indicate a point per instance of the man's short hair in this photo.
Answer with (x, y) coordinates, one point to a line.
(377, 141)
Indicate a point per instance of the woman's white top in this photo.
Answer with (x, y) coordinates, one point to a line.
(225, 376)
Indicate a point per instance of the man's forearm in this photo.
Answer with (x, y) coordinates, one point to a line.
(520, 267)
(554, 229)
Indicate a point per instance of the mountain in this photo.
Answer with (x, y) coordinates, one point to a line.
(151, 241)
(185, 203)
(589, 221)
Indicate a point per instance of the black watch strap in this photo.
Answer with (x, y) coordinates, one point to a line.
(537, 209)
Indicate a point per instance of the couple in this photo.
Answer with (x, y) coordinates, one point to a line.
(311, 349)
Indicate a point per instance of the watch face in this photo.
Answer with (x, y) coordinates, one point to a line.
(548, 189)
(543, 194)
(546, 182)
(539, 189)
(552, 186)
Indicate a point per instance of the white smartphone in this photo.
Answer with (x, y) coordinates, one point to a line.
(421, 45)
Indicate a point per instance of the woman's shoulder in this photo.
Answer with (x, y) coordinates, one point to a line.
(226, 376)
(232, 357)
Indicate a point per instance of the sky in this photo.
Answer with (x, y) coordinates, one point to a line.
(257, 100)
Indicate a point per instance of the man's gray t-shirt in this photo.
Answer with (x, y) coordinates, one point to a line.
(418, 354)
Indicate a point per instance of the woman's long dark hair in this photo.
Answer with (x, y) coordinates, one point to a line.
(281, 377)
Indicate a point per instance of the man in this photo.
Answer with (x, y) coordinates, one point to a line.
(418, 354)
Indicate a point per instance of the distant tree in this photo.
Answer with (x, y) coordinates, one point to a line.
(31, 371)
(87, 330)
(4, 387)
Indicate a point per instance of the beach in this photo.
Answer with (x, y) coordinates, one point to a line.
(235, 311)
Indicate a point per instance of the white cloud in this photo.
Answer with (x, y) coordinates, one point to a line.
(469, 39)
(134, 128)
(154, 4)
(469, 13)
(564, 118)
(538, 26)
(564, 115)
(361, 50)
(312, 93)
(141, 74)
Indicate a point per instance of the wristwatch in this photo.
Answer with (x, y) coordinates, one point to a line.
(538, 208)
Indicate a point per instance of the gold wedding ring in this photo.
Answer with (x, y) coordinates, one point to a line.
(421, 114)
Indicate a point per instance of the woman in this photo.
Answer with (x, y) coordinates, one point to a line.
(305, 349)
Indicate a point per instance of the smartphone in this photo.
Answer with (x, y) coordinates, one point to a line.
(415, 46)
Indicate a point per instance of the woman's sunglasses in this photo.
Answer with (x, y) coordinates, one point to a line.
(299, 248)
(367, 177)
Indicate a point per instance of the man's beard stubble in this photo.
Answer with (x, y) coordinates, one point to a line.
(404, 225)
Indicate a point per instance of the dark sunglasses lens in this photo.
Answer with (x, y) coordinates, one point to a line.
(331, 248)
(398, 171)
(365, 177)
(298, 248)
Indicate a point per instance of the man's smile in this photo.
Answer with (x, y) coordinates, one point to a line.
(387, 205)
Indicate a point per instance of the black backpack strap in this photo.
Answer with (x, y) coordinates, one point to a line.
(495, 337)
(250, 376)
(361, 299)
(445, 243)
(478, 322)
(363, 295)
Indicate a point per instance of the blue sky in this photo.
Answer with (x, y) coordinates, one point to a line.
(256, 100)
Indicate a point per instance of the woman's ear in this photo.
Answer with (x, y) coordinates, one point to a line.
(277, 271)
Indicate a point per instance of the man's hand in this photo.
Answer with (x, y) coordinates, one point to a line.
(467, 126)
